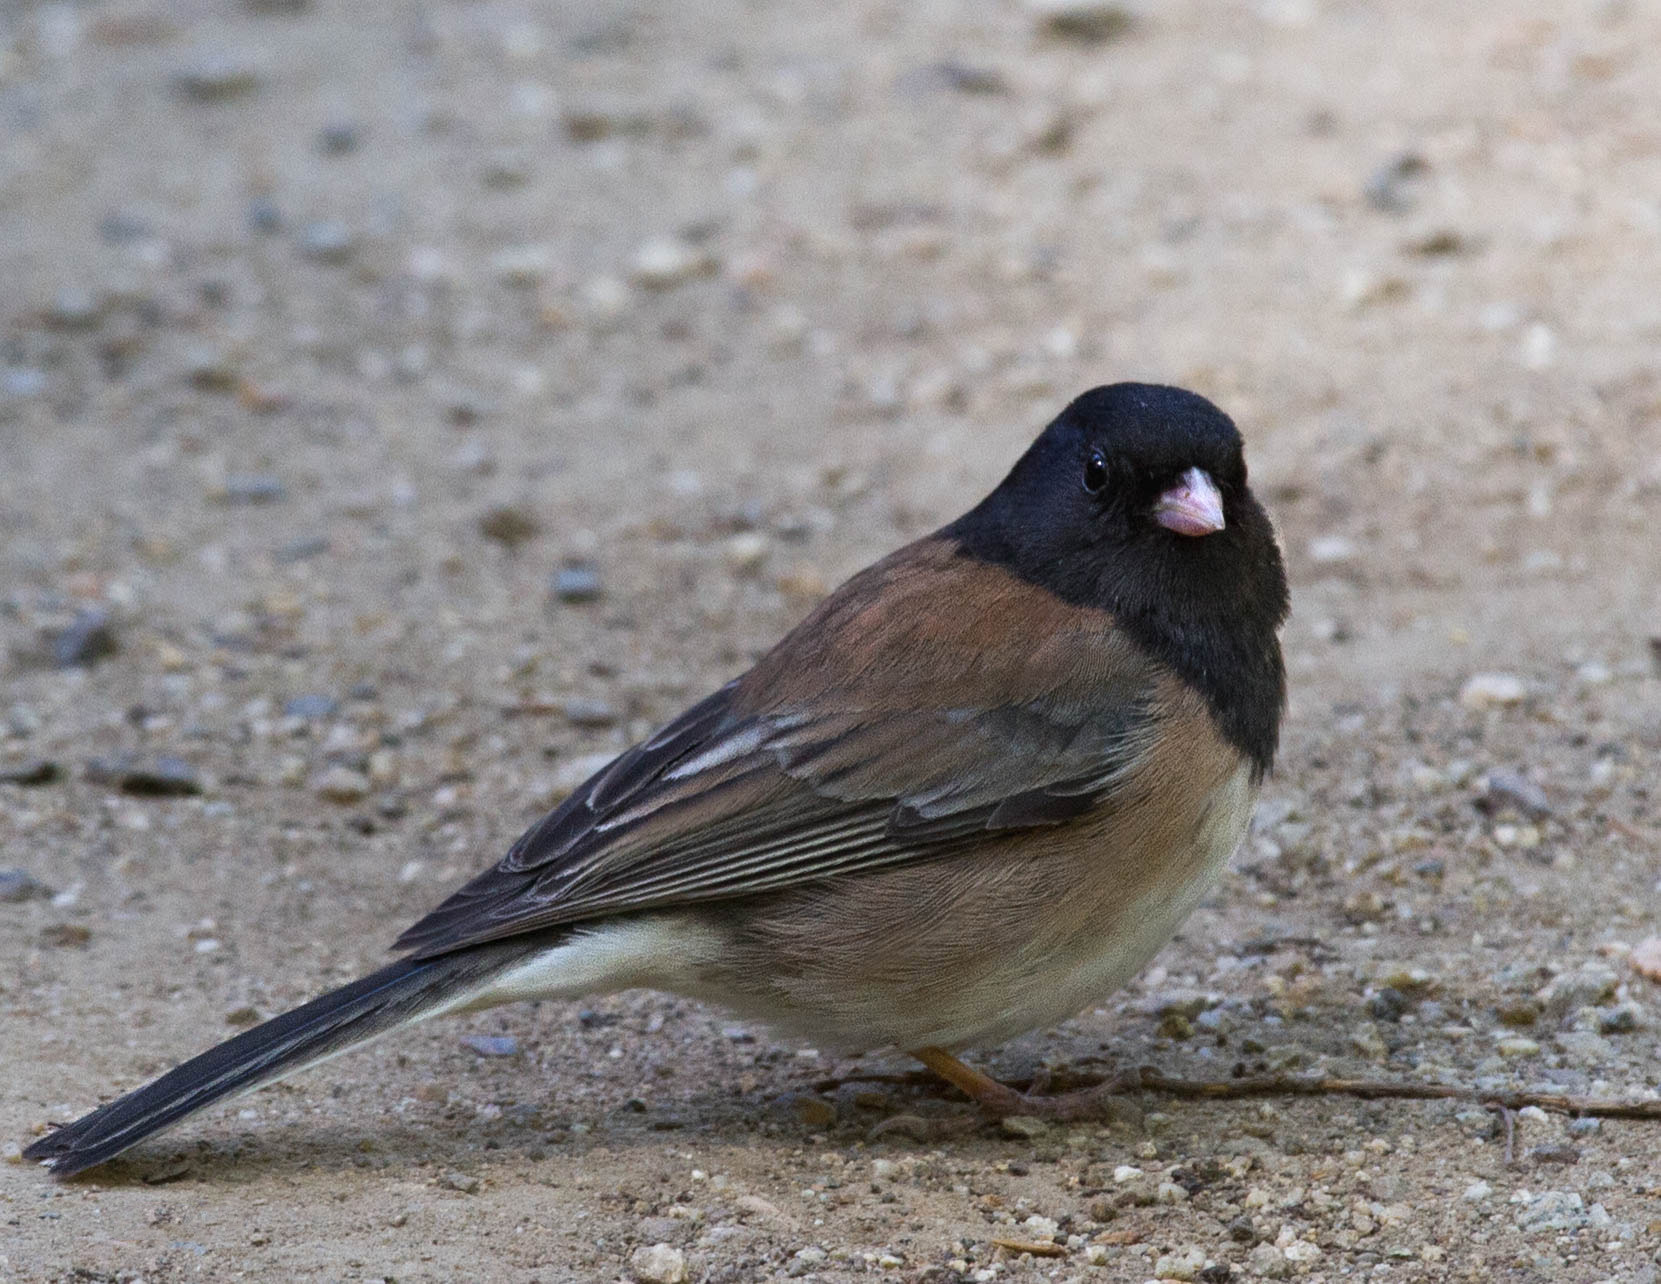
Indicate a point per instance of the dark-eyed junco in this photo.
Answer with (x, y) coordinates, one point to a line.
(972, 793)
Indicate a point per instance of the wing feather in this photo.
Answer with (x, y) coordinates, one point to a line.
(741, 795)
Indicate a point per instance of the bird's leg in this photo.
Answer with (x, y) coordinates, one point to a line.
(998, 1098)
(1001, 1100)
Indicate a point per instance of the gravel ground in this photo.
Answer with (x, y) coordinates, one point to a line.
(405, 405)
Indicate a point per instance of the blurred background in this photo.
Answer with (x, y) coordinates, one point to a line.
(404, 405)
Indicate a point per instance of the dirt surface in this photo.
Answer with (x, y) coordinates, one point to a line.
(331, 333)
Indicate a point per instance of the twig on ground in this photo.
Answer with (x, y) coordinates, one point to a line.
(1278, 1085)
(1149, 1079)
(1508, 1117)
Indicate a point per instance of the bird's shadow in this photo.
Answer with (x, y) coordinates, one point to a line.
(863, 1094)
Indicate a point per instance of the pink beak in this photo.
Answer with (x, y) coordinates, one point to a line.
(1194, 506)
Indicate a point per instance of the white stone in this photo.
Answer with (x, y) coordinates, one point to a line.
(746, 551)
(666, 261)
(1326, 549)
(659, 1264)
(1488, 690)
(521, 266)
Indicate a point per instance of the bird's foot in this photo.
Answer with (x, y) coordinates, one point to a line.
(1001, 1101)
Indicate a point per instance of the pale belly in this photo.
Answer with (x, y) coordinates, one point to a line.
(923, 955)
(912, 965)
(1119, 945)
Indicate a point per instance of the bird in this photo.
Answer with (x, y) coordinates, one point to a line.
(971, 794)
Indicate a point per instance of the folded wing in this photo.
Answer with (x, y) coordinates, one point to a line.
(802, 770)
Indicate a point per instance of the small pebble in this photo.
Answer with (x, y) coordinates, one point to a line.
(24, 382)
(413, 361)
(1301, 1251)
(466, 1183)
(75, 308)
(505, 171)
(17, 885)
(89, 638)
(264, 216)
(327, 241)
(1590, 985)
(1389, 189)
(1366, 1040)
(1329, 549)
(492, 1045)
(815, 1112)
(303, 548)
(746, 551)
(576, 584)
(665, 262)
(339, 138)
(606, 298)
(582, 711)
(1646, 958)
(310, 706)
(588, 123)
(1524, 837)
(964, 78)
(340, 784)
(1086, 21)
(165, 777)
(1025, 1127)
(1519, 1012)
(1387, 1003)
(216, 77)
(123, 227)
(1515, 1045)
(1269, 1262)
(474, 456)
(1438, 242)
(508, 525)
(383, 773)
(252, 488)
(467, 407)
(658, 1264)
(1184, 1265)
(1586, 1048)
(1552, 1210)
(1513, 789)
(1362, 287)
(210, 369)
(1491, 690)
(521, 267)
(1538, 347)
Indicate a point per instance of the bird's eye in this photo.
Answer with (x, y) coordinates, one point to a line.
(1095, 472)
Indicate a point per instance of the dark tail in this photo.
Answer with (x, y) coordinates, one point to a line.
(399, 994)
